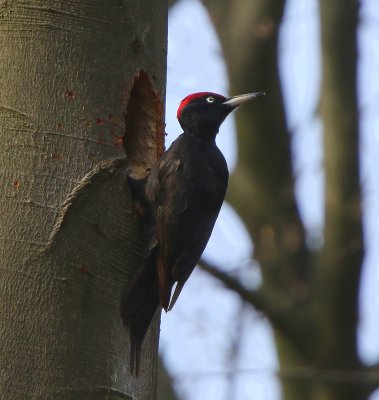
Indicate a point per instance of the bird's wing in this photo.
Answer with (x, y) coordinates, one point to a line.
(191, 254)
(194, 248)
(171, 202)
(184, 222)
(187, 194)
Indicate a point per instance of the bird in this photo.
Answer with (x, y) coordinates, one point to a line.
(181, 198)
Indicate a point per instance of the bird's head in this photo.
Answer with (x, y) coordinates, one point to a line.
(201, 114)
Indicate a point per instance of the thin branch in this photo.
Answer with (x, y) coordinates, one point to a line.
(346, 377)
(234, 352)
(259, 299)
(255, 298)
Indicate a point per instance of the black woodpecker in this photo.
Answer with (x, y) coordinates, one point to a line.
(182, 197)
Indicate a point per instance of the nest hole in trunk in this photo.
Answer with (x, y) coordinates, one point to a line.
(144, 126)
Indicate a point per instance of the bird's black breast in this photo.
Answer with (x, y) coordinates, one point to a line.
(187, 186)
(189, 172)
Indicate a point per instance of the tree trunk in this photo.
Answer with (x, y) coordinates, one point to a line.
(82, 83)
(165, 389)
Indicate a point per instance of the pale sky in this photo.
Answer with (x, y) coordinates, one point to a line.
(196, 335)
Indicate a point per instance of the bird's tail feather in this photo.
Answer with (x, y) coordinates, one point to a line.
(138, 306)
(178, 289)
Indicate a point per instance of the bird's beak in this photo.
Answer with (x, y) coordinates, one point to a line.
(237, 101)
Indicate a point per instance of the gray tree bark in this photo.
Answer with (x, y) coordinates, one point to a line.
(165, 389)
(82, 83)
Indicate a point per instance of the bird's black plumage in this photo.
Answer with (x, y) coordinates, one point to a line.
(183, 195)
(187, 188)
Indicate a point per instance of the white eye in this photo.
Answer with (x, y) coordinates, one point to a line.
(210, 99)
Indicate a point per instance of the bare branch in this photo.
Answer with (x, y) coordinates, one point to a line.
(349, 378)
(278, 313)
(255, 298)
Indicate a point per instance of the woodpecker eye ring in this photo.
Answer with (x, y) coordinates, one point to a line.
(210, 99)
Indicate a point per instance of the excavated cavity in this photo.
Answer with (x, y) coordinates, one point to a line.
(144, 129)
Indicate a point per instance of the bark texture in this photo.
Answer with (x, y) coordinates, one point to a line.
(165, 389)
(82, 83)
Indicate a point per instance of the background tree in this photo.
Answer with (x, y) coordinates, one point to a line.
(305, 290)
(81, 84)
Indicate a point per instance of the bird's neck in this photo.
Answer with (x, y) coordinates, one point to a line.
(201, 136)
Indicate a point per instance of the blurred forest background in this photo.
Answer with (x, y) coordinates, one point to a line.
(300, 318)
